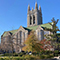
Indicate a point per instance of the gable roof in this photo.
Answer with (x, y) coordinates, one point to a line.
(11, 32)
(47, 25)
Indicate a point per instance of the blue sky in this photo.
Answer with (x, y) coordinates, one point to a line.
(13, 13)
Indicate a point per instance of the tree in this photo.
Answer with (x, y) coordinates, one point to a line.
(53, 36)
(46, 44)
(32, 43)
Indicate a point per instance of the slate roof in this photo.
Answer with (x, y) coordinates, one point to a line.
(47, 25)
(11, 32)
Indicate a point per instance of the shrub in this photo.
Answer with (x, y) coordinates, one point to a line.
(46, 56)
(56, 54)
(51, 55)
(15, 54)
(30, 57)
(5, 58)
(42, 52)
(42, 56)
(16, 58)
(21, 54)
(1, 59)
(7, 54)
(56, 51)
(48, 52)
(34, 53)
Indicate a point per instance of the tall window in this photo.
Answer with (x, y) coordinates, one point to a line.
(33, 19)
(38, 34)
(24, 36)
(4, 39)
(20, 36)
(17, 38)
(30, 20)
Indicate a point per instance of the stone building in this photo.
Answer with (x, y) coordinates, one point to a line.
(34, 21)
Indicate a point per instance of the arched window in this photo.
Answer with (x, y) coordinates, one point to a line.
(30, 20)
(20, 36)
(33, 19)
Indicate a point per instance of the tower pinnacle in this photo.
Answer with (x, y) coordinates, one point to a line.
(32, 8)
(39, 8)
(28, 8)
(36, 6)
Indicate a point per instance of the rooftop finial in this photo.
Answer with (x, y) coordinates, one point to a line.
(28, 7)
(36, 6)
(39, 8)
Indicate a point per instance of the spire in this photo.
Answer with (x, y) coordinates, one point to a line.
(28, 7)
(32, 8)
(36, 6)
(39, 8)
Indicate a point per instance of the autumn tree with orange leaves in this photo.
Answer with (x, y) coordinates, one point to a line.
(46, 45)
(32, 43)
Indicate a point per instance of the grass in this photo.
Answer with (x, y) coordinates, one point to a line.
(25, 57)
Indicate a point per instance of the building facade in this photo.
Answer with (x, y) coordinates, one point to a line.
(16, 38)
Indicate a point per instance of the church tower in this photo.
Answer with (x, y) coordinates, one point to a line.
(34, 16)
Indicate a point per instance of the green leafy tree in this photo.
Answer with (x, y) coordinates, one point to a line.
(53, 36)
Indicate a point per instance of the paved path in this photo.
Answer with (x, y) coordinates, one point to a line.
(57, 58)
